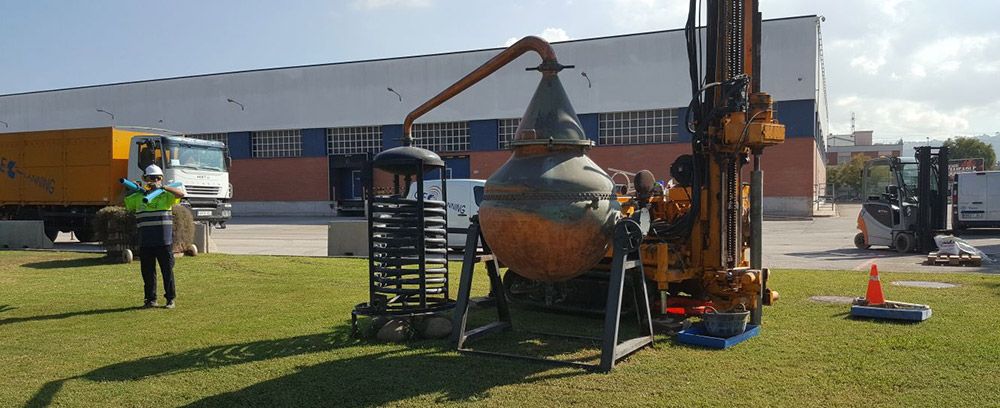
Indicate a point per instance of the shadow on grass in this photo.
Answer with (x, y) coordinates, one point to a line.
(68, 263)
(386, 378)
(66, 315)
(201, 359)
(6, 308)
(367, 380)
(847, 316)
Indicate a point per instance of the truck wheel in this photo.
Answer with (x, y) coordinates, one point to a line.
(859, 241)
(84, 234)
(52, 233)
(904, 243)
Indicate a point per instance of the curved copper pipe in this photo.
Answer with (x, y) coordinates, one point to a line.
(530, 43)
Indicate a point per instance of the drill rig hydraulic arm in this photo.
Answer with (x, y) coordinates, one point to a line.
(731, 120)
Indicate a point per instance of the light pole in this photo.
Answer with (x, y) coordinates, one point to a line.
(230, 100)
(109, 113)
(397, 93)
(4, 124)
(584, 74)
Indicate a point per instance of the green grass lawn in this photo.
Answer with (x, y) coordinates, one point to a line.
(273, 331)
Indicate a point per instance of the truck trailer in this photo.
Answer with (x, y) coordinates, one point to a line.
(63, 177)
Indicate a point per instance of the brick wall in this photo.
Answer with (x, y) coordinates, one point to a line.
(787, 167)
(280, 179)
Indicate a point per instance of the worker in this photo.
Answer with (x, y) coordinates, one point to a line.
(154, 221)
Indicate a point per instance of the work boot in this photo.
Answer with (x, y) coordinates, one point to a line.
(149, 304)
(170, 304)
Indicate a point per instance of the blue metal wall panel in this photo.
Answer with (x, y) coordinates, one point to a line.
(239, 145)
(392, 136)
(313, 142)
(459, 166)
(798, 116)
(483, 135)
(682, 131)
(590, 125)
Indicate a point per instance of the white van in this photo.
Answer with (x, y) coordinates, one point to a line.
(976, 200)
(464, 196)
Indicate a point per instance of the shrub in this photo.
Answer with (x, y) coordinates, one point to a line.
(183, 228)
(115, 226)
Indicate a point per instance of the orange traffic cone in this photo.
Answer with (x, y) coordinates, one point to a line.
(874, 295)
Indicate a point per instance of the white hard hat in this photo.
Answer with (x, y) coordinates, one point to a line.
(154, 170)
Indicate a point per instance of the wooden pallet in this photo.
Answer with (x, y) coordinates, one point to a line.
(962, 259)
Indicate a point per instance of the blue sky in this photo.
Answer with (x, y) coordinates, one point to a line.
(908, 68)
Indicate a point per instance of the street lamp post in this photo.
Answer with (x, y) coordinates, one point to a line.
(397, 93)
(584, 74)
(230, 100)
(4, 124)
(109, 113)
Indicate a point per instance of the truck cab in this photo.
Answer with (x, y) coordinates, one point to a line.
(201, 165)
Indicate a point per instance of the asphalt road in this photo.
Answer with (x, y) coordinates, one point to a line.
(819, 243)
(828, 243)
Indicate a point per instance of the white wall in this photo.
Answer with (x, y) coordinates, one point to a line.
(630, 72)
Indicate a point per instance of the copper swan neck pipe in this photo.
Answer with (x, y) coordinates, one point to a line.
(530, 43)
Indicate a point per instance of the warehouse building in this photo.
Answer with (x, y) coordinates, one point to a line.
(300, 135)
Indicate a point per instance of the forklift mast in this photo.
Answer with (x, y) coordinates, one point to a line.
(932, 195)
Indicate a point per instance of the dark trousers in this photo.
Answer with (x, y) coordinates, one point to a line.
(148, 258)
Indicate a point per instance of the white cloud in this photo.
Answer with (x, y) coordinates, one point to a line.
(550, 34)
(901, 118)
(379, 4)
(990, 67)
(891, 8)
(646, 15)
(872, 52)
(946, 55)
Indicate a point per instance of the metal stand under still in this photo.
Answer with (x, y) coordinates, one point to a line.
(626, 262)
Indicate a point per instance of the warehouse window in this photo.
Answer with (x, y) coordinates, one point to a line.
(356, 139)
(215, 137)
(442, 137)
(637, 127)
(506, 130)
(276, 143)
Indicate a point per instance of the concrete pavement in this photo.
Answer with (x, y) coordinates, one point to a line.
(819, 243)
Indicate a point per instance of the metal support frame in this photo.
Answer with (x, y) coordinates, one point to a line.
(757, 233)
(625, 262)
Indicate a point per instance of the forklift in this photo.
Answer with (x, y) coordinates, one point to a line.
(905, 201)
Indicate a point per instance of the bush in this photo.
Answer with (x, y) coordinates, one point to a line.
(115, 227)
(183, 228)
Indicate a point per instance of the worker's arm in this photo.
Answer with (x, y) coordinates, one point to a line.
(178, 192)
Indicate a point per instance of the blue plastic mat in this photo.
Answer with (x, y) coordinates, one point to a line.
(912, 315)
(696, 336)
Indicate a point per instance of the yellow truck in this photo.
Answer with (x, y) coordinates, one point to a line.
(63, 177)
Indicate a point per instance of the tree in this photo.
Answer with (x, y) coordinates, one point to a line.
(971, 148)
(847, 175)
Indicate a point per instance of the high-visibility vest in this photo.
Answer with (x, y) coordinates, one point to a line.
(154, 219)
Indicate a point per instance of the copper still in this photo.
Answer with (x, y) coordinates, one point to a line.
(549, 211)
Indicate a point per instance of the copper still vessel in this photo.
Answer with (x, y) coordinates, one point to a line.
(548, 213)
